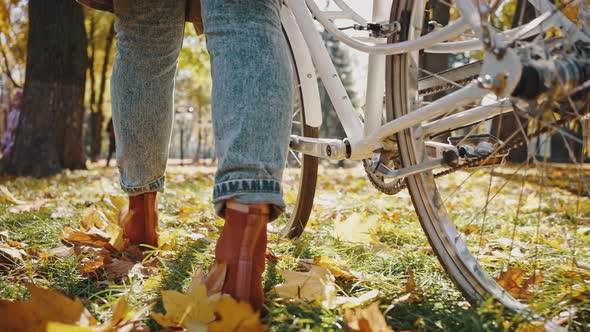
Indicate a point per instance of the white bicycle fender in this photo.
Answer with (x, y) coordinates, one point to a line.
(305, 70)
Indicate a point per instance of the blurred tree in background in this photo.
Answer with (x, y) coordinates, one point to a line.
(14, 28)
(100, 29)
(49, 135)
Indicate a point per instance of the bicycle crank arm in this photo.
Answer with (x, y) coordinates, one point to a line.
(407, 171)
(320, 147)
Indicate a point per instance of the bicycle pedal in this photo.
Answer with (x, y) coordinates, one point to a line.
(480, 147)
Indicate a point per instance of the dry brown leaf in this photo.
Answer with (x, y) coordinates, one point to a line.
(44, 306)
(117, 268)
(93, 238)
(411, 293)
(317, 284)
(369, 319)
(235, 316)
(92, 266)
(512, 280)
(411, 284)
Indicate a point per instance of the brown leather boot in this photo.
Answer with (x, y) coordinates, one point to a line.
(140, 220)
(242, 247)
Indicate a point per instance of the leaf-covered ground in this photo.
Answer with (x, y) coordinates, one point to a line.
(360, 247)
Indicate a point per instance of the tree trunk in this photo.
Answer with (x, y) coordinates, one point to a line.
(49, 136)
(97, 115)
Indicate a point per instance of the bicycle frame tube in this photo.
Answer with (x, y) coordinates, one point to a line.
(348, 118)
(364, 148)
(362, 143)
(376, 76)
(446, 33)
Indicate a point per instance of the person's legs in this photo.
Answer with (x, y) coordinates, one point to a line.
(149, 38)
(252, 106)
(251, 99)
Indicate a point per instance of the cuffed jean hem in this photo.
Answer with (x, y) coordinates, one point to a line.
(158, 184)
(249, 191)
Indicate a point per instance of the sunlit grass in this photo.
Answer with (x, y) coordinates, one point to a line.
(399, 247)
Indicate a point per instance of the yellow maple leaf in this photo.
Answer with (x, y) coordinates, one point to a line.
(356, 229)
(317, 284)
(192, 310)
(44, 306)
(235, 316)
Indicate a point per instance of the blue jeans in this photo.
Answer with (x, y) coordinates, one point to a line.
(251, 97)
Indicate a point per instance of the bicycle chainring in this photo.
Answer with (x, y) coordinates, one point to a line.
(391, 187)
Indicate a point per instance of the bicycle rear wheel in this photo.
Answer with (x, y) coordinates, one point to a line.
(503, 231)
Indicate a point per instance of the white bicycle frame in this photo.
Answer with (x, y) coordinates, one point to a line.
(365, 138)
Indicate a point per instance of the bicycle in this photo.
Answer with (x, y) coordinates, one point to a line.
(540, 83)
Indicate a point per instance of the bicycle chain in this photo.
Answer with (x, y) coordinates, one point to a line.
(447, 86)
(401, 185)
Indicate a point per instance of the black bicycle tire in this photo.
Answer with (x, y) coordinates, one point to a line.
(309, 170)
(461, 266)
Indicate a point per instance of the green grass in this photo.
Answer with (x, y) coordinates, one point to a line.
(399, 246)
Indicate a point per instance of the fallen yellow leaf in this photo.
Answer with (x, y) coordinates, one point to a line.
(92, 238)
(369, 319)
(356, 229)
(44, 306)
(333, 266)
(192, 309)
(7, 196)
(92, 217)
(235, 316)
(61, 327)
(366, 298)
(512, 280)
(317, 284)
